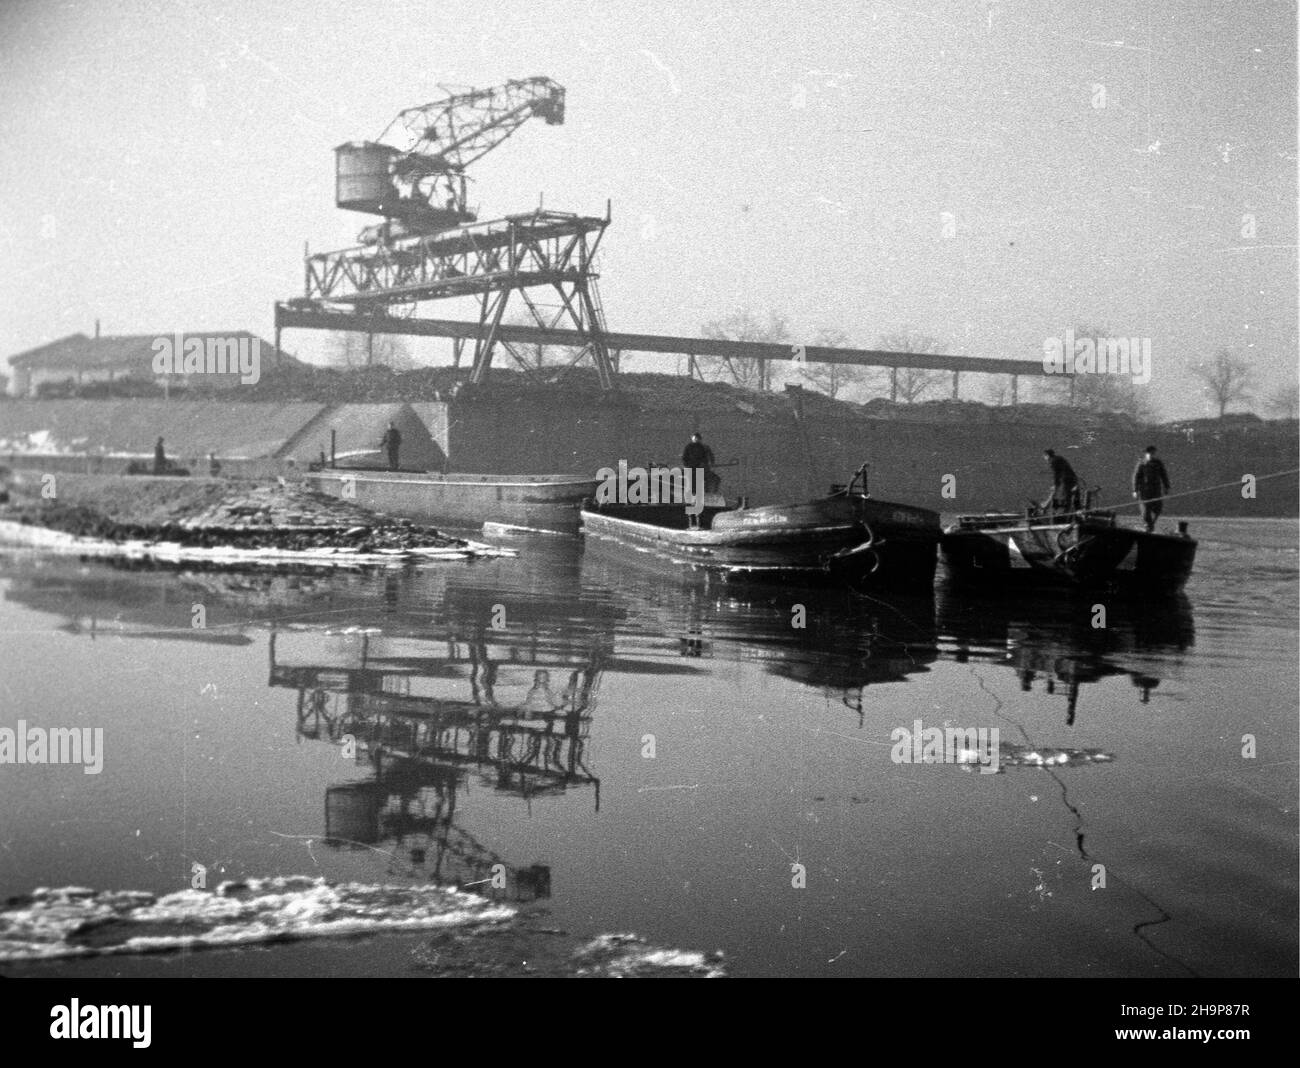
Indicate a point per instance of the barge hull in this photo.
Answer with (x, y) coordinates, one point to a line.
(782, 544)
(1085, 556)
(467, 501)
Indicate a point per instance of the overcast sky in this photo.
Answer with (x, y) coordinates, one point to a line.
(162, 164)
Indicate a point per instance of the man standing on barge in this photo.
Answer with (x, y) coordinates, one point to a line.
(392, 441)
(1150, 485)
(699, 457)
(1065, 484)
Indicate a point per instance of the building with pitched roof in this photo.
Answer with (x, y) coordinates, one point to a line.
(78, 360)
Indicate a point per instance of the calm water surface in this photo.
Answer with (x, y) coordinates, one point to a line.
(647, 754)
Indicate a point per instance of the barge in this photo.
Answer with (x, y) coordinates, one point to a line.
(846, 537)
(1088, 549)
(538, 502)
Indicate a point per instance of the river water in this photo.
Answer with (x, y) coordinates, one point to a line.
(611, 748)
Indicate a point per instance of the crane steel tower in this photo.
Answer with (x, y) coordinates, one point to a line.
(430, 246)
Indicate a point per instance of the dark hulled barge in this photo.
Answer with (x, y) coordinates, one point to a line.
(846, 537)
(1088, 549)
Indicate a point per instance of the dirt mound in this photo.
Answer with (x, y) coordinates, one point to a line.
(211, 513)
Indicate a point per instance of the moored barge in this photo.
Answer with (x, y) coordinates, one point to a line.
(1088, 549)
(540, 502)
(847, 537)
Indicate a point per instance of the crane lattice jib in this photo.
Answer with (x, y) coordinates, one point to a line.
(446, 136)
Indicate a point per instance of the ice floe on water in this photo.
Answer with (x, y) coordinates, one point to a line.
(626, 955)
(77, 922)
(469, 935)
(1012, 755)
(527, 950)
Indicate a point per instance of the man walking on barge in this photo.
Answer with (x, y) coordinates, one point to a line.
(1150, 485)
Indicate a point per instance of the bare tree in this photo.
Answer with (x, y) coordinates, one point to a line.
(1097, 391)
(352, 350)
(997, 390)
(910, 383)
(1226, 379)
(832, 378)
(1284, 402)
(1111, 393)
(1064, 389)
(745, 325)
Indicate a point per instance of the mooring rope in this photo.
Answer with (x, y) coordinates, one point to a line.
(1173, 496)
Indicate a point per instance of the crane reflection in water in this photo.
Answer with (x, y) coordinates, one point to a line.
(424, 711)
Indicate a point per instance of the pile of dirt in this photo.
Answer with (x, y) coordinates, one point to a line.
(211, 513)
(118, 499)
(364, 385)
(644, 391)
(650, 391)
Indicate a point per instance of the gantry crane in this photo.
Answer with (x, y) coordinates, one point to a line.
(430, 246)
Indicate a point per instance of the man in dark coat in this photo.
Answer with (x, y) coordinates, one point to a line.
(1150, 484)
(699, 457)
(1065, 483)
(159, 458)
(392, 441)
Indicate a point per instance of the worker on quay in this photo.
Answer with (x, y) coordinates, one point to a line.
(699, 457)
(1150, 484)
(392, 441)
(1065, 484)
(159, 458)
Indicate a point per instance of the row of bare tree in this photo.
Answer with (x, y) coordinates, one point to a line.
(907, 384)
(1224, 379)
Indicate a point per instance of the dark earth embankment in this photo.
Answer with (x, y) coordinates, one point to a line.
(949, 455)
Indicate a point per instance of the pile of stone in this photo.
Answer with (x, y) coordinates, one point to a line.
(290, 517)
(275, 519)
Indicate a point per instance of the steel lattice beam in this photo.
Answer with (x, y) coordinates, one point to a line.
(314, 318)
(540, 248)
(490, 261)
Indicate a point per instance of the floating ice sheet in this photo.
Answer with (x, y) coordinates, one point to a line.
(471, 935)
(76, 922)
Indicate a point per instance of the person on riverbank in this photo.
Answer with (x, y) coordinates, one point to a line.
(392, 441)
(699, 457)
(159, 458)
(1150, 485)
(1065, 484)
